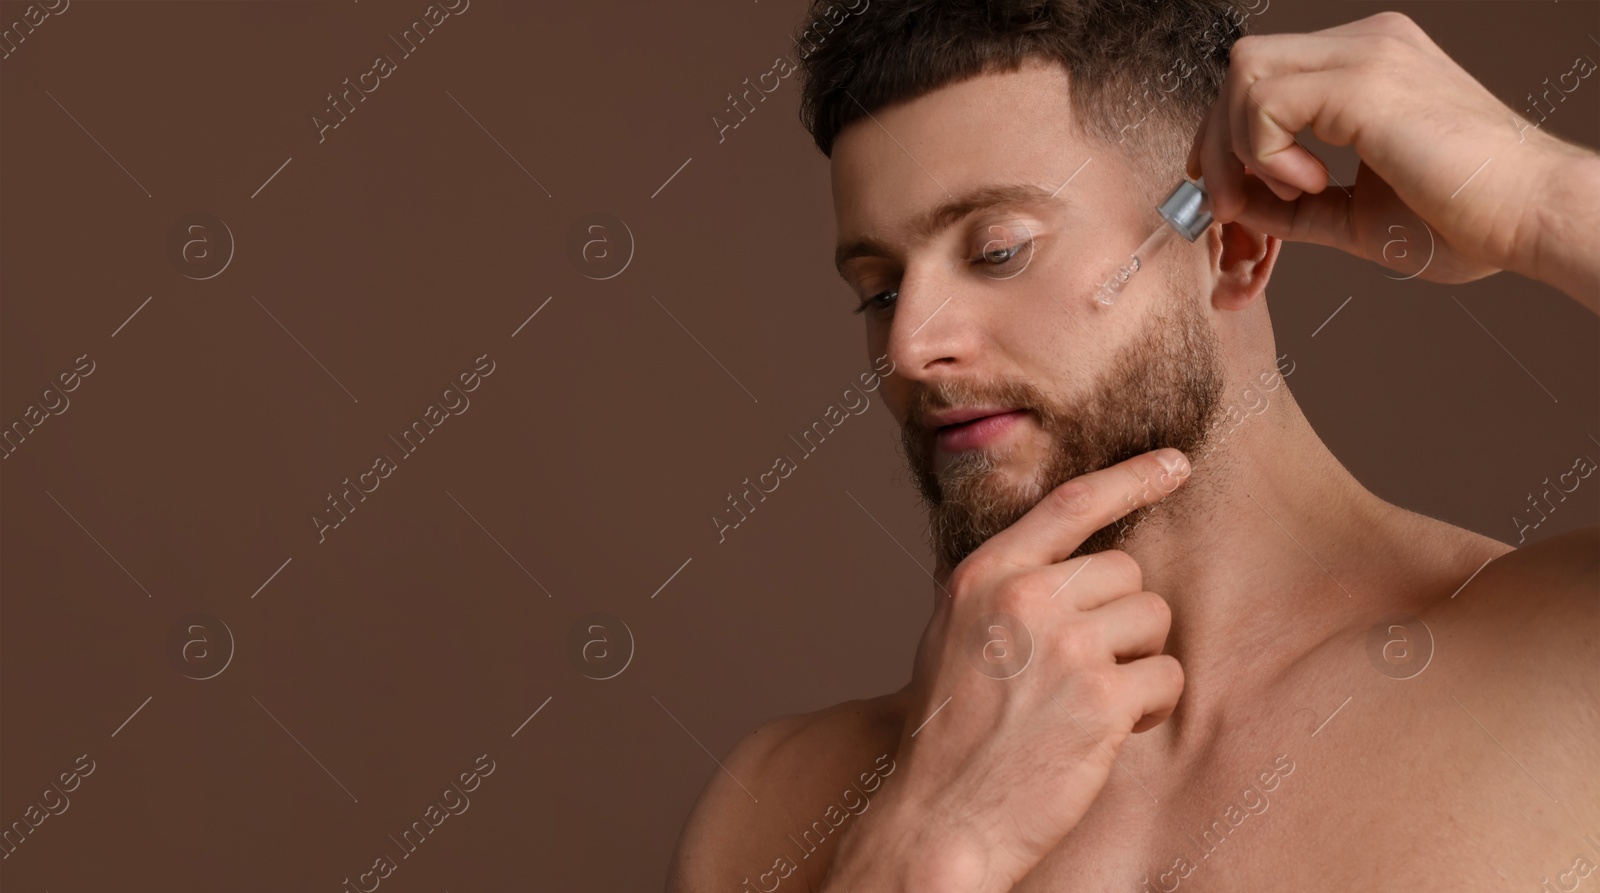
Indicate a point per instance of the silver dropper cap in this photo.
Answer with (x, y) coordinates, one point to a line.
(1188, 208)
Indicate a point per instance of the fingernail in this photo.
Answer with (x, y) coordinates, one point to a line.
(1173, 461)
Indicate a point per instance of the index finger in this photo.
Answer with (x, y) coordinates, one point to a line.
(1067, 515)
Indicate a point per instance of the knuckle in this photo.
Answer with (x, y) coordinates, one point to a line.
(971, 573)
(1398, 21)
(1244, 51)
(1173, 671)
(1073, 499)
(1122, 567)
(1157, 609)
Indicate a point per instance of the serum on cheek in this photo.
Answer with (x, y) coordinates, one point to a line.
(1186, 211)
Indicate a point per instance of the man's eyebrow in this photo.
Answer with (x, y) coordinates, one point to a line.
(952, 210)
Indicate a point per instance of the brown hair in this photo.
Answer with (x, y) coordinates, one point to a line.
(1142, 73)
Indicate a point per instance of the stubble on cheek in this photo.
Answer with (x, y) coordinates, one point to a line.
(1161, 391)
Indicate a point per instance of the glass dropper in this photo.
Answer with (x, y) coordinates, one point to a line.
(1186, 211)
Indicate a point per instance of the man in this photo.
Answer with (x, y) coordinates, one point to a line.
(1173, 644)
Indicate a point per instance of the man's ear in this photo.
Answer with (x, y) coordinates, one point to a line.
(1242, 259)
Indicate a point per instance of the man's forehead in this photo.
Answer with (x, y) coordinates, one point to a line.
(997, 118)
(906, 170)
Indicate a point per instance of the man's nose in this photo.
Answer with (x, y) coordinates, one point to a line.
(934, 323)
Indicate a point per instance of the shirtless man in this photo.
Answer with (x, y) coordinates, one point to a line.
(1238, 672)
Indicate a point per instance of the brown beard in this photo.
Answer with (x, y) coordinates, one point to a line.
(1162, 390)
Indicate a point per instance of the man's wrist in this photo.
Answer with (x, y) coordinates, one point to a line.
(1563, 247)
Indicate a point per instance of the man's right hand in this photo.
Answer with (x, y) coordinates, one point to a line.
(1027, 683)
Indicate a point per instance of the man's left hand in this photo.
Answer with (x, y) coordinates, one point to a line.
(1436, 148)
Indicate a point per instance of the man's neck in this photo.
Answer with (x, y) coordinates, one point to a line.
(1271, 548)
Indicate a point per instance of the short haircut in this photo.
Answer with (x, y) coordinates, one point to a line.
(1141, 73)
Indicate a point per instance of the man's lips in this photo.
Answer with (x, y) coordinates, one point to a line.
(975, 430)
(957, 416)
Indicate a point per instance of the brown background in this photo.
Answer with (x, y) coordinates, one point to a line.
(406, 245)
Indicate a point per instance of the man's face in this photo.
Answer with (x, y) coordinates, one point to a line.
(991, 309)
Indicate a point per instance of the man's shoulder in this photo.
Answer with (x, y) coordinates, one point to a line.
(1570, 561)
(783, 791)
(1543, 597)
(1487, 691)
(1521, 639)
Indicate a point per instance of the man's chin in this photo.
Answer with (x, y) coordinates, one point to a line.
(974, 488)
(980, 493)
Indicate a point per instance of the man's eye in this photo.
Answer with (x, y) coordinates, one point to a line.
(873, 302)
(996, 253)
(1007, 253)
